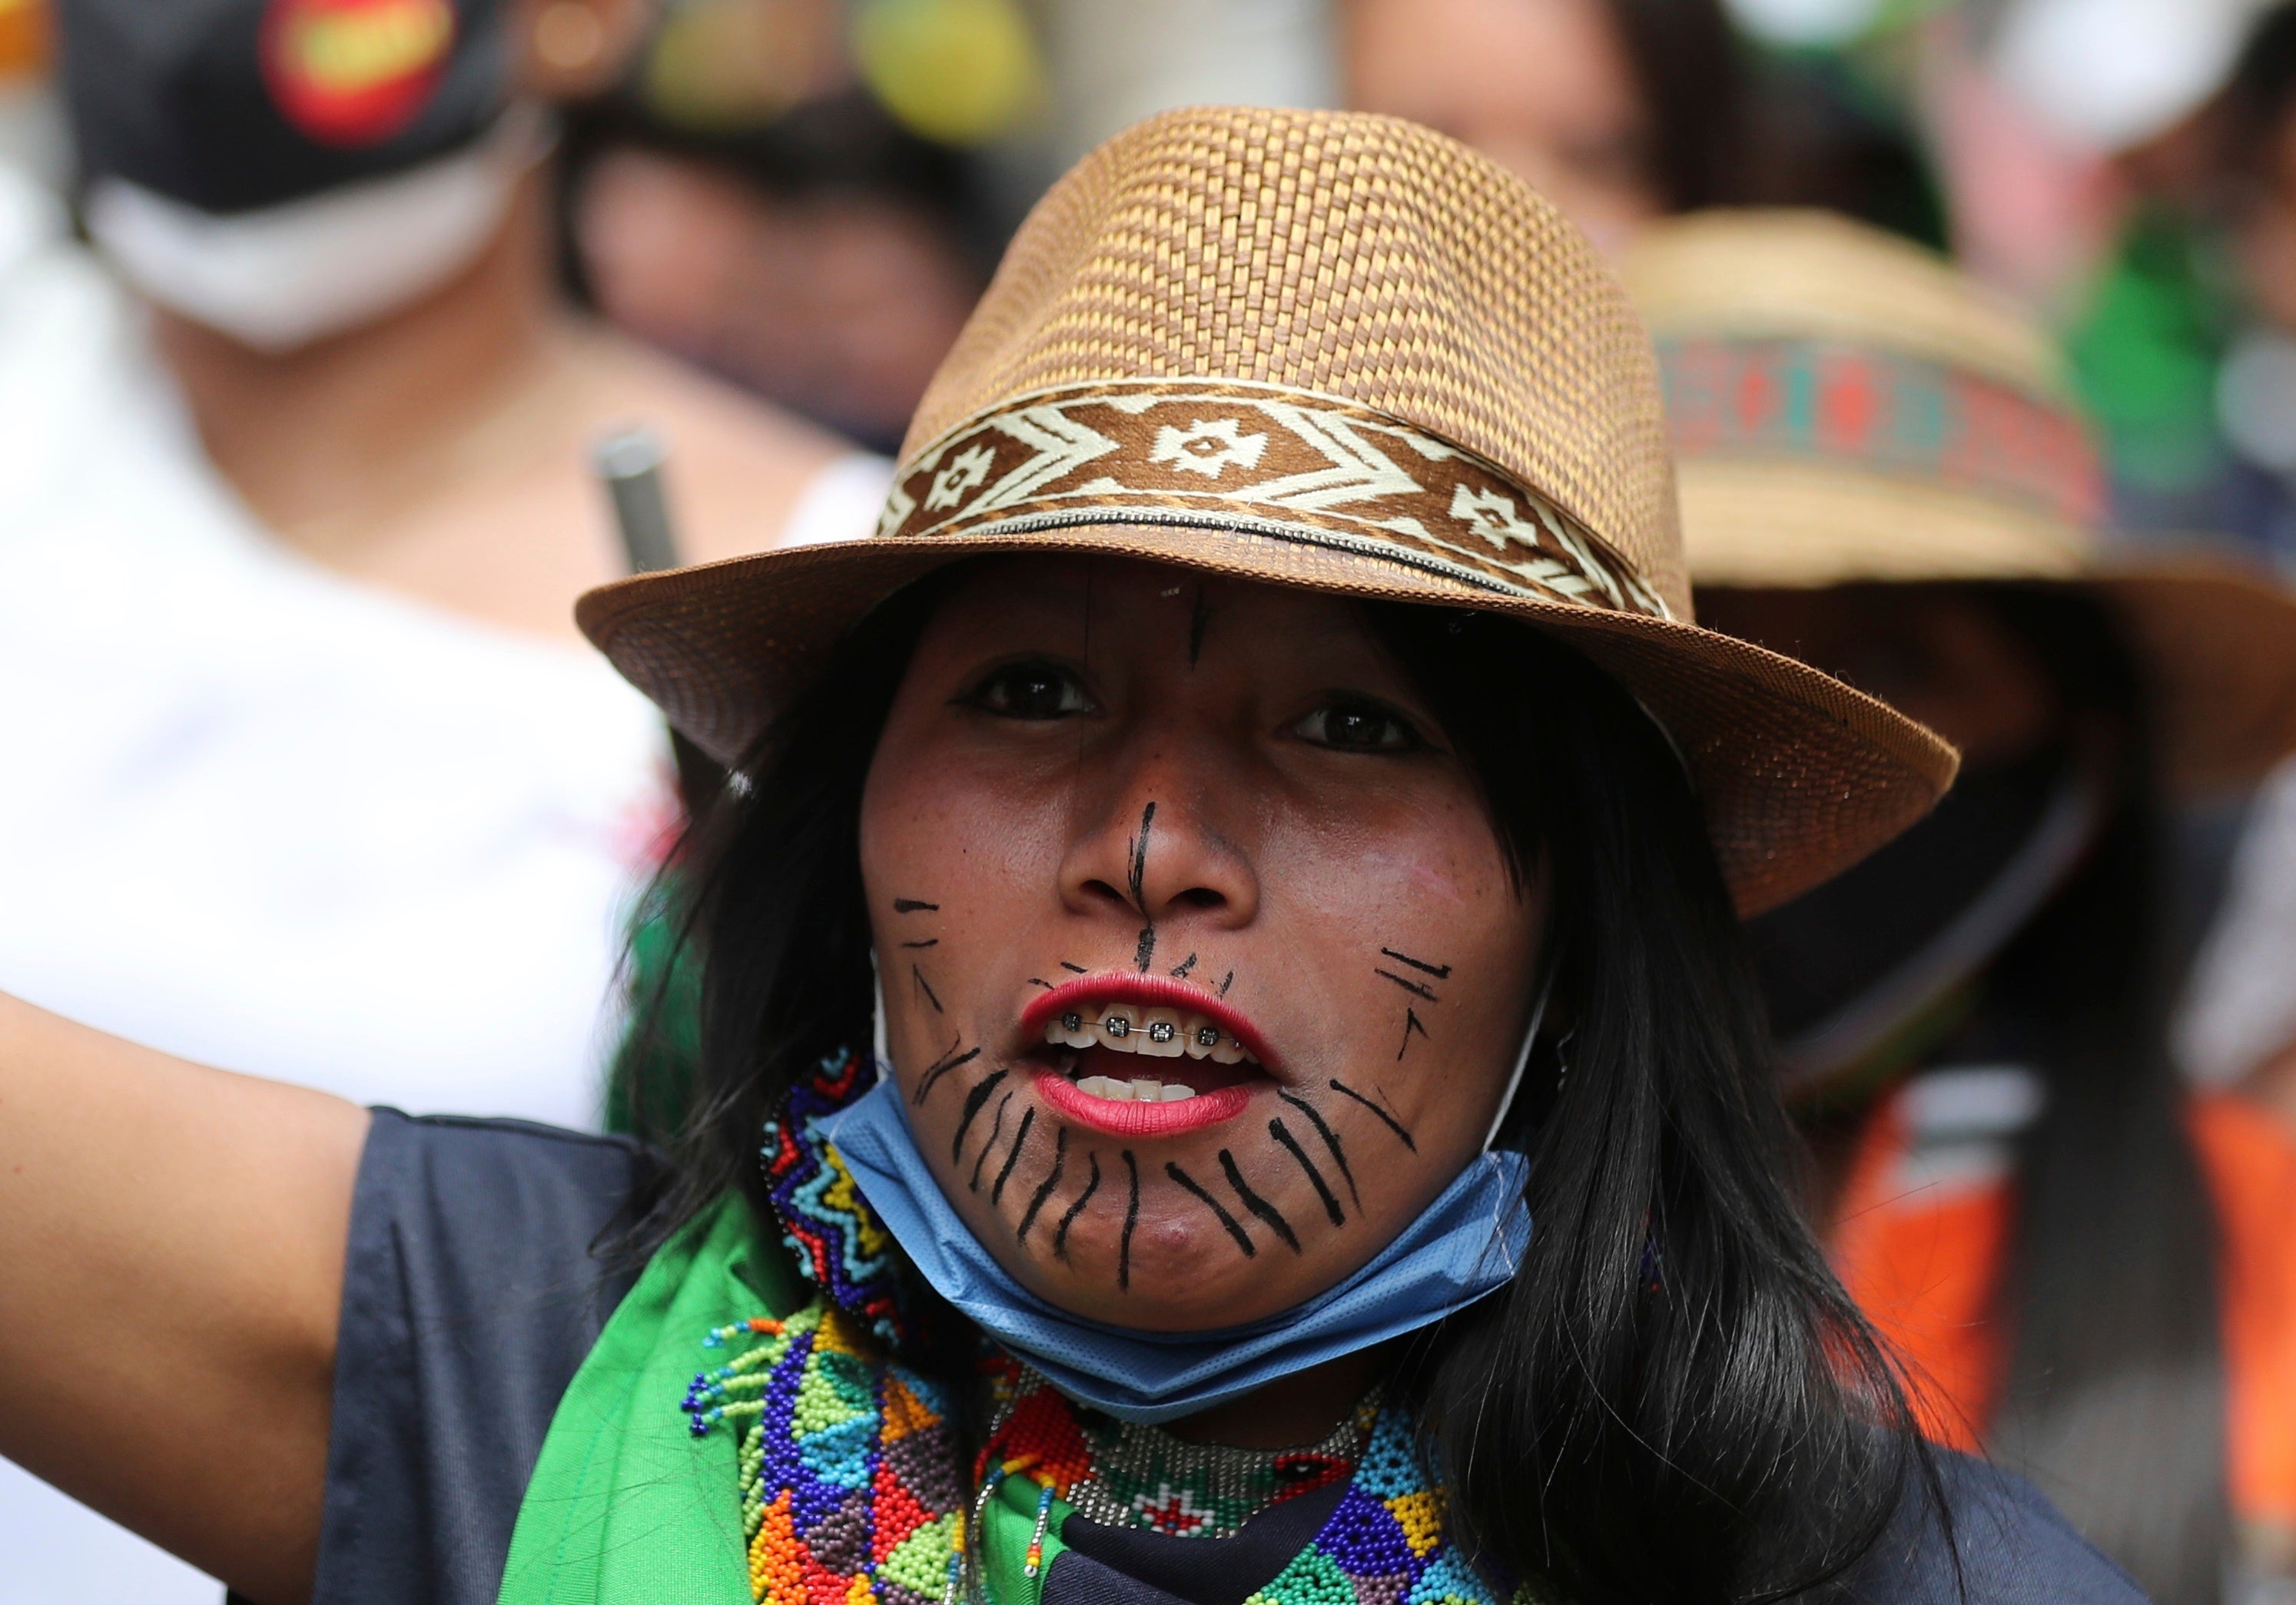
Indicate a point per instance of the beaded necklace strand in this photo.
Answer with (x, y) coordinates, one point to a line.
(1126, 1475)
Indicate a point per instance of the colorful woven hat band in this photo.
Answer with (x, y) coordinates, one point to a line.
(1260, 460)
(1832, 404)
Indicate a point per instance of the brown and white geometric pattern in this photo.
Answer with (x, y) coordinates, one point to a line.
(1259, 458)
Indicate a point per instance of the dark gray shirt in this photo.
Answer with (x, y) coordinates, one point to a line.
(473, 1289)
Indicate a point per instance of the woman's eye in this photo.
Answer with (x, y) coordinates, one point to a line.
(1030, 691)
(1358, 724)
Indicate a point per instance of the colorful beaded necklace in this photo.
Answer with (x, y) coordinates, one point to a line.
(1122, 1474)
(851, 1488)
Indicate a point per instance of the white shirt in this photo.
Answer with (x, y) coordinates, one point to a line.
(261, 817)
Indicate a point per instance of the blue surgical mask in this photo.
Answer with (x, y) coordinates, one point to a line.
(1464, 1245)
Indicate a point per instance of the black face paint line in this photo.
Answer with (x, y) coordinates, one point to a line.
(1131, 1220)
(1044, 1188)
(1413, 988)
(1410, 1024)
(1147, 951)
(1389, 1121)
(1013, 1155)
(931, 942)
(1186, 964)
(1227, 981)
(996, 1128)
(925, 987)
(1331, 1142)
(1038, 980)
(1074, 969)
(1291, 1145)
(1441, 972)
(1258, 1206)
(974, 1101)
(1140, 859)
(1243, 1241)
(1068, 1216)
(914, 905)
(941, 1067)
(1199, 619)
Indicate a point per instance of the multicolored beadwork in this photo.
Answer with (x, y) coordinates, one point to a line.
(1121, 1474)
(849, 1481)
(839, 1245)
(1384, 1542)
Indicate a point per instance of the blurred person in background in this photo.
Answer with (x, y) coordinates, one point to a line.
(337, 210)
(1625, 111)
(2087, 1269)
(804, 196)
(2239, 1022)
(2254, 196)
(2108, 163)
(763, 196)
(334, 215)
(1620, 112)
(309, 775)
(831, 286)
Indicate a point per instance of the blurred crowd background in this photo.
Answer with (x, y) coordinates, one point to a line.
(306, 771)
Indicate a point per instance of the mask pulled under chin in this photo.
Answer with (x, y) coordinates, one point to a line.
(1464, 1245)
(291, 274)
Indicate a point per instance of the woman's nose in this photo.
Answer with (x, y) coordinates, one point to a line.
(1154, 851)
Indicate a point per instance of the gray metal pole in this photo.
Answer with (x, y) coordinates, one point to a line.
(628, 462)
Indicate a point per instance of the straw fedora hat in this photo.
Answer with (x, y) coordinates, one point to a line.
(1328, 350)
(1847, 407)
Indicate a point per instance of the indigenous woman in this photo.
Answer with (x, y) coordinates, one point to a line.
(1231, 1073)
(2088, 1269)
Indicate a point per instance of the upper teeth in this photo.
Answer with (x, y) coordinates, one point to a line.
(1158, 1033)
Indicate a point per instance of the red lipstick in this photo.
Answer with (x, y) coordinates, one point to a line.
(1096, 1003)
(1140, 1120)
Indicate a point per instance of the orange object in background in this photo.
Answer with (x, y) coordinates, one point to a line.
(1921, 1256)
(24, 42)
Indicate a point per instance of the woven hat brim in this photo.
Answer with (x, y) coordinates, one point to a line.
(1800, 775)
(2217, 644)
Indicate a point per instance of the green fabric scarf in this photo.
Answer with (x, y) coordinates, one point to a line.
(626, 1507)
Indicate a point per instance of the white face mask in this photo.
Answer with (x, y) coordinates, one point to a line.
(288, 275)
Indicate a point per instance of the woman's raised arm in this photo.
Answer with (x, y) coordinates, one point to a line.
(171, 1264)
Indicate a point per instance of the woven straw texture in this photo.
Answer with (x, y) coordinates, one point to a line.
(1315, 256)
(1349, 255)
(2217, 641)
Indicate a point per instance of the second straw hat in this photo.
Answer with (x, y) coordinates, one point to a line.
(1328, 350)
(1849, 408)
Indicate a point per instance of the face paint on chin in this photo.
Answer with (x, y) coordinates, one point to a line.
(1222, 1137)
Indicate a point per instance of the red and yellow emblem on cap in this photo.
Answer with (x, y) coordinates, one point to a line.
(354, 72)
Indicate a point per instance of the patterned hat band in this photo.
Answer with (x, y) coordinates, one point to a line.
(1828, 403)
(1261, 460)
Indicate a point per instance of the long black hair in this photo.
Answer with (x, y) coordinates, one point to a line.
(1674, 1400)
(2115, 1397)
